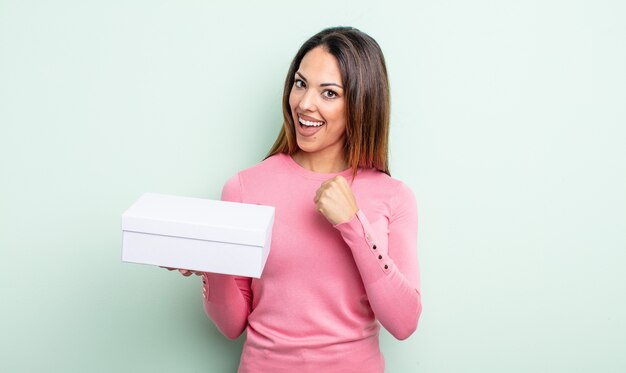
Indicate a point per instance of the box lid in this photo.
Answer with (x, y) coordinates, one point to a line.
(199, 218)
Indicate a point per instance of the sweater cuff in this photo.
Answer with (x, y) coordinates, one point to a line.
(205, 287)
(370, 257)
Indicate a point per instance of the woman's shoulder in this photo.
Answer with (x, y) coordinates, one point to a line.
(233, 186)
(379, 178)
(382, 186)
(259, 169)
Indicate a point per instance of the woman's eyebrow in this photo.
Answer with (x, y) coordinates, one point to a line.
(321, 85)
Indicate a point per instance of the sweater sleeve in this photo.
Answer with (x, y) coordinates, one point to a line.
(228, 299)
(390, 272)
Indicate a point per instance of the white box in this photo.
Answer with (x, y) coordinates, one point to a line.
(198, 234)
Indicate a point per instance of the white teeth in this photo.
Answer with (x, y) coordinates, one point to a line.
(310, 124)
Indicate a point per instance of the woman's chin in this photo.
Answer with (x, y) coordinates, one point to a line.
(305, 146)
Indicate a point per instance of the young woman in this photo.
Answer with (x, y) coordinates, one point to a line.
(343, 254)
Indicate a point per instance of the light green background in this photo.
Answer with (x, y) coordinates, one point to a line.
(508, 123)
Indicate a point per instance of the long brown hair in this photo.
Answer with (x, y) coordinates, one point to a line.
(364, 77)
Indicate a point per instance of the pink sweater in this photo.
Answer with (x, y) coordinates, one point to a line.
(324, 289)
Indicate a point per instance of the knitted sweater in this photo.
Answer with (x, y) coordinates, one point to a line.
(324, 289)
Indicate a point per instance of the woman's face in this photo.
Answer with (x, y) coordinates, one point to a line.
(318, 105)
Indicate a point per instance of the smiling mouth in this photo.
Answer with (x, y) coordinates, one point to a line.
(308, 123)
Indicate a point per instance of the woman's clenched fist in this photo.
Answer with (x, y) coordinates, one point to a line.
(335, 201)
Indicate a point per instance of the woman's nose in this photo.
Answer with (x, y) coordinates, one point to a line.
(307, 101)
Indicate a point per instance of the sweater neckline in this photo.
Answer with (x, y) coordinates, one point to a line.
(347, 173)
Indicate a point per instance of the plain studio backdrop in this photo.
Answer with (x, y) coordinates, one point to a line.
(508, 122)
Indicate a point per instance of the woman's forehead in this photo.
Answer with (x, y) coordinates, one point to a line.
(318, 67)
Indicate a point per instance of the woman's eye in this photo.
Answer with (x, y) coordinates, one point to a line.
(330, 94)
(299, 83)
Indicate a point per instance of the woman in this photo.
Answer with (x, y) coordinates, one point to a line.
(343, 256)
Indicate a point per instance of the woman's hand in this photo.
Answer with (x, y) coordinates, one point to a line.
(335, 201)
(184, 272)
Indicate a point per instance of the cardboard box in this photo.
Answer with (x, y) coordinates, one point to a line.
(197, 234)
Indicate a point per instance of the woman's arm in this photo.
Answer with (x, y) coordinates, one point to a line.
(389, 272)
(228, 299)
